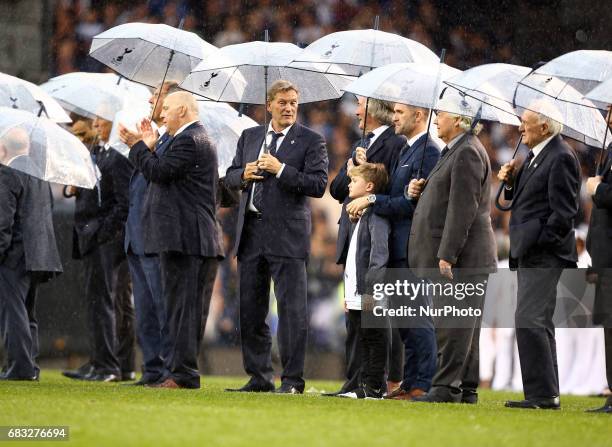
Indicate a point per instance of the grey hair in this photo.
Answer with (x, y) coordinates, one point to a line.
(547, 114)
(554, 126)
(381, 111)
(465, 123)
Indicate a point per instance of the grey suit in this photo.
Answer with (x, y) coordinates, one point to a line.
(452, 222)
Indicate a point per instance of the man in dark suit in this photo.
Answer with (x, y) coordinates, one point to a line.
(381, 145)
(416, 160)
(545, 201)
(451, 229)
(28, 255)
(179, 223)
(277, 169)
(599, 246)
(152, 330)
(99, 221)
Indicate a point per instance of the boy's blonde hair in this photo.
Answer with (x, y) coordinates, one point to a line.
(372, 172)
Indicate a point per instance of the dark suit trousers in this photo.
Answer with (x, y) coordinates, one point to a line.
(256, 270)
(124, 317)
(18, 323)
(604, 292)
(185, 281)
(101, 274)
(352, 351)
(374, 343)
(151, 327)
(458, 349)
(538, 275)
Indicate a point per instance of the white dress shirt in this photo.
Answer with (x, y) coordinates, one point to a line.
(415, 138)
(267, 141)
(539, 147)
(183, 127)
(351, 297)
(377, 133)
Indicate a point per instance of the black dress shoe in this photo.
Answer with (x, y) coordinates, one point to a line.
(469, 397)
(335, 393)
(127, 376)
(607, 407)
(253, 387)
(434, 398)
(285, 388)
(551, 403)
(142, 382)
(80, 373)
(96, 377)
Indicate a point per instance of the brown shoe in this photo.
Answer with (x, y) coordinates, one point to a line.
(168, 383)
(392, 386)
(416, 392)
(399, 394)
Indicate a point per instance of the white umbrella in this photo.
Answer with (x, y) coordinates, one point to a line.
(602, 94)
(42, 149)
(356, 52)
(583, 70)
(498, 85)
(16, 93)
(241, 73)
(96, 94)
(150, 53)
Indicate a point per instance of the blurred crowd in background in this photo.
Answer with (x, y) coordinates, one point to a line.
(225, 22)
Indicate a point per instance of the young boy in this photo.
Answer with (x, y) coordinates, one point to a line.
(365, 264)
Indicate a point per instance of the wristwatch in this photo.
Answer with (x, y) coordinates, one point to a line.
(371, 198)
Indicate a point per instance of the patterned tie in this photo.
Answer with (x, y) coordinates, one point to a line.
(444, 151)
(258, 188)
(529, 158)
(365, 143)
(162, 140)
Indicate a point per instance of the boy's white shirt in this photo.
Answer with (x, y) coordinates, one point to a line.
(351, 297)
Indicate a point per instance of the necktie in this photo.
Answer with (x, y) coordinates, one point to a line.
(405, 149)
(444, 151)
(94, 160)
(528, 159)
(365, 142)
(258, 188)
(161, 140)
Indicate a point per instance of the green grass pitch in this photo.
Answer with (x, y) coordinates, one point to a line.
(114, 415)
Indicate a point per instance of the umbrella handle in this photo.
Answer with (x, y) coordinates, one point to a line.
(502, 185)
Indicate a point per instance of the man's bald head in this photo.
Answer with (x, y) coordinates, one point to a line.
(179, 109)
(13, 143)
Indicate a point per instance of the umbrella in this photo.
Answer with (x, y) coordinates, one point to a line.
(498, 85)
(222, 122)
(150, 53)
(582, 70)
(42, 149)
(16, 93)
(601, 95)
(96, 94)
(241, 73)
(358, 51)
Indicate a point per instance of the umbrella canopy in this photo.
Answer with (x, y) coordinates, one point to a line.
(241, 73)
(583, 70)
(148, 53)
(42, 149)
(358, 51)
(16, 93)
(498, 85)
(602, 94)
(96, 94)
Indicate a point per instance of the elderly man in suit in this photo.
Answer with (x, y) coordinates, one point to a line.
(28, 255)
(179, 223)
(418, 157)
(381, 145)
(277, 169)
(545, 201)
(599, 246)
(99, 221)
(451, 229)
(152, 331)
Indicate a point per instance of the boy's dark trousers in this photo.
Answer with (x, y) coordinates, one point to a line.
(374, 351)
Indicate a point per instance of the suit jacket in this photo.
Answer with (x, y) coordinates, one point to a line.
(285, 210)
(385, 150)
(545, 201)
(394, 205)
(599, 238)
(372, 250)
(180, 204)
(134, 230)
(27, 237)
(452, 217)
(99, 218)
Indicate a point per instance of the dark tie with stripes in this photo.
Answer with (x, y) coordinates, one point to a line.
(258, 188)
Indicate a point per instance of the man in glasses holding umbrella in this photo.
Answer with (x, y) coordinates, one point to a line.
(545, 201)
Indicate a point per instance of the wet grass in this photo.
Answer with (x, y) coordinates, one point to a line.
(114, 415)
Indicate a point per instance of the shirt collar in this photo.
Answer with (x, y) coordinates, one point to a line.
(285, 131)
(377, 133)
(541, 145)
(455, 140)
(183, 127)
(415, 138)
